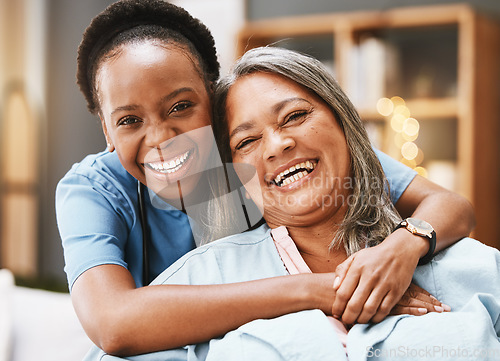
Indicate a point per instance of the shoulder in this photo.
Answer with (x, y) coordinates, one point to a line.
(100, 172)
(392, 167)
(241, 257)
(98, 186)
(101, 167)
(398, 175)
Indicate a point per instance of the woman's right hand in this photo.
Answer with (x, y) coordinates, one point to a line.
(417, 301)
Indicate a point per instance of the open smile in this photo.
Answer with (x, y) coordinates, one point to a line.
(294, 173)
(170, 166)
(172, 169)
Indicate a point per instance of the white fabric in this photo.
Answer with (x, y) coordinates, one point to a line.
(38, 325)
(6, 285)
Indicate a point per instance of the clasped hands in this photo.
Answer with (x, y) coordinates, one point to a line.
(377, 281)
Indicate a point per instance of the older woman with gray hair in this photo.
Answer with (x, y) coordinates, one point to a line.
(376, 277)
(325, 201)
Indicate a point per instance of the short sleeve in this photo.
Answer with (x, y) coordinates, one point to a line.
(92, 222)
(398, 175)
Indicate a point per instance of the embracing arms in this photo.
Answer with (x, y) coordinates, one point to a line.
(374, 279)
(124, 320)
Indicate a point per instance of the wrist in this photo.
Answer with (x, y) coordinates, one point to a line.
(423, 230)
(319, 292)
(418, 244)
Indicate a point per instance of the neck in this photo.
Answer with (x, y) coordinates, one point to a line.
(312, 233)
(313, 244)
(313, 241)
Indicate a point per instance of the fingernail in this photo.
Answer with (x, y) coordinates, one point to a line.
(438, 308)
(446, 307)
(422, 310)
(336, 282)
(434, 298)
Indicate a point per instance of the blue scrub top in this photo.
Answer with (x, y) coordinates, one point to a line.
(98, 218)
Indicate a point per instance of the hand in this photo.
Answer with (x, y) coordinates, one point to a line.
(417, 301)
(373, 280)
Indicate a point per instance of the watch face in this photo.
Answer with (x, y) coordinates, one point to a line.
(420, 226)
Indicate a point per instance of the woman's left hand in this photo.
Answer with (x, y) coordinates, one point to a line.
(417, 301)
(372, 281)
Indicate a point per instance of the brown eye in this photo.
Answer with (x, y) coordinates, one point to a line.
(128, 120)
(179, 107)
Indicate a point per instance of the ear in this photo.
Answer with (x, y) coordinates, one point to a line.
(109, 143)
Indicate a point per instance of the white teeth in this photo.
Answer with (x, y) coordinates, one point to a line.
(171, 166)
(282, 179)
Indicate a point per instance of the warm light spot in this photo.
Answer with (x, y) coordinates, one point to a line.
(409, 150)
(411, 127)
(397, 101)
(399, 140)
(421, 171)
(409, 138)
(385, 106)
(420, 157)
(397, 122)
(403, 110)
(408, 162)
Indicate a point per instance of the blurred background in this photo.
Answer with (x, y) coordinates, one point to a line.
(424, 75)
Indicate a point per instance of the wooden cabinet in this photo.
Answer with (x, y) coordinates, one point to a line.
(437, 71)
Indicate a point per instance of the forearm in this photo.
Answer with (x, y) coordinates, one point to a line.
(451, 225)
(127, 321)
(450, 214)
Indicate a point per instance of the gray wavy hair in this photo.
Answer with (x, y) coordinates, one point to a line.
(371, 216)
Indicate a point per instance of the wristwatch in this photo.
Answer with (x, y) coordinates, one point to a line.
(421, 228)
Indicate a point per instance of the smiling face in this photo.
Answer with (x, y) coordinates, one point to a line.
(153, 106)
(294, 141)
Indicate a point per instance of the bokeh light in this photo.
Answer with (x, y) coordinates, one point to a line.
(409, 162)
(397, 101)
(421, 171)
(402, 110)
(420, 157)
(409, 150)
(385, 106)
(397, 122)
(411, 127)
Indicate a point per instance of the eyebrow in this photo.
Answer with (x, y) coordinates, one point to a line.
(242, 127)
(276, 108)
(165, 99)
(279, 106)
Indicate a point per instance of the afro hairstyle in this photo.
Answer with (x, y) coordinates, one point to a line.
(125, 15)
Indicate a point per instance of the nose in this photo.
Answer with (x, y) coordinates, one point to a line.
(158, 133)
(276, 143)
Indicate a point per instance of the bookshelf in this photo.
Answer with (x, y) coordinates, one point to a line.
(438, 65)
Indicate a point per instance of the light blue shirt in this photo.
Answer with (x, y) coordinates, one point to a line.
(465, 276)
(97, 214)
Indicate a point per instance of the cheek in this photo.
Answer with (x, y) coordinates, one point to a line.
(128, 150)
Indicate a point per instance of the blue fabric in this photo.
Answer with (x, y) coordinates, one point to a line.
(466, 276)
(398, 175)
(97, 215)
